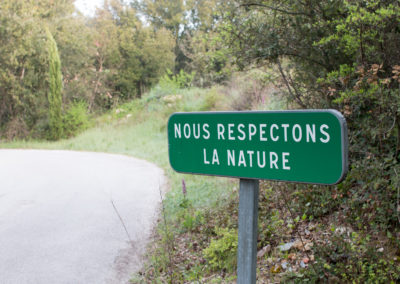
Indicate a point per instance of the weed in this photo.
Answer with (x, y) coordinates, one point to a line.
(181, 80)
(210, 100)
(221, 253)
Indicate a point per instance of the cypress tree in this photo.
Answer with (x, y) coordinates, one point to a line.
(54, 95)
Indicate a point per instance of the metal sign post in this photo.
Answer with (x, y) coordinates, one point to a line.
(248, 223)
(306, 146)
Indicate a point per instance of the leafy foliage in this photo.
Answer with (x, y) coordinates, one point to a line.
(23, 69)
(194, 26)
(129, 57)
(179, 81)
(104, 60)
(329, 54)
(350, 259)
(342, 55)
(76, 119)
(221, 253)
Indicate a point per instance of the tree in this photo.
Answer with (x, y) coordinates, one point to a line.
(170, 15)
(343, 55)
(202, 45)
(164, 14)
(270, 31)
(107, 59)
(24, 62)
(23, 69)
(193, 24)
(55, 89)
(131, 57)
(156, 56)
(77, 50)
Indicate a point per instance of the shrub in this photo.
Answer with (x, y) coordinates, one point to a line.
(221, 253)
(16, 129)
(210, 99)
(349, 260)
(179, 81)
(76, 119)
(252, 89)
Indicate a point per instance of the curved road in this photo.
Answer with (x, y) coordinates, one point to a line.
(74, 217)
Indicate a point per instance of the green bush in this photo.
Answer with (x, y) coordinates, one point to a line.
(76, 119)
(221, 253)
(210, 99)
(351, 259)
(179, 81)
(171, 84)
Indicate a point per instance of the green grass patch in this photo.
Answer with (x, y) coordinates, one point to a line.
(194, 218)
(138, 129)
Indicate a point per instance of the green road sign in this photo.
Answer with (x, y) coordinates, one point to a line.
(307, 146)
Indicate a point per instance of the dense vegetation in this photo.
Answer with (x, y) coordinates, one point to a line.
(342, 55)
(311, 54)
(107, 59)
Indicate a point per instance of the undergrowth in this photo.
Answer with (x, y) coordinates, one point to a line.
(307, 233)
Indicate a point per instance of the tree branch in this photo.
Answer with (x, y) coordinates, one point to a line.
(248, 5)
(304, 58)
(285, 80)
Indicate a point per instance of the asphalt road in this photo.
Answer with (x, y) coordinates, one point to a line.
(74, 217)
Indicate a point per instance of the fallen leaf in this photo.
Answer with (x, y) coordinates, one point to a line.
(263, 251)
(276, 268)
(308, 246)
(298, 245)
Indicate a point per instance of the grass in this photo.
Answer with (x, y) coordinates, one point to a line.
(138, 129)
